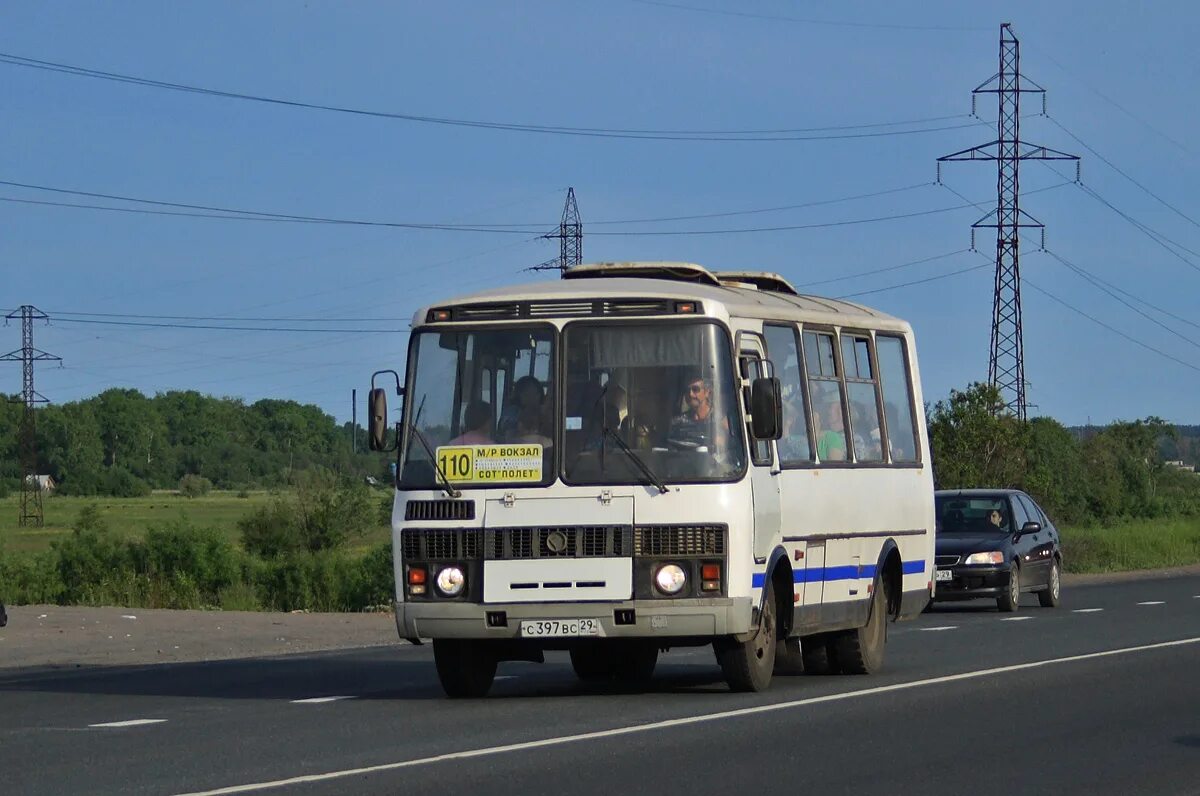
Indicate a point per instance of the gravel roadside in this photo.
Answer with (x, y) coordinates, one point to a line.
(58, 637)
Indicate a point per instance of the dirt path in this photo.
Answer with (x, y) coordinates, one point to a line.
(66, 637)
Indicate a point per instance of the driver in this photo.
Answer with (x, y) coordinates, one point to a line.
(699, 426)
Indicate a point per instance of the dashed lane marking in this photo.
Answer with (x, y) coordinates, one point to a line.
(320, 700)
(941, 627)
(1015, 618)
(1087, 610)
(128, 723)
(1154, 602)
(685, 721)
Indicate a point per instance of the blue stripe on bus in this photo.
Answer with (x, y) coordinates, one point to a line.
(838, 573)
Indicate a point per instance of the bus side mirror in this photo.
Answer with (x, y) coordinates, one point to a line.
(766, 409)
(377, 422)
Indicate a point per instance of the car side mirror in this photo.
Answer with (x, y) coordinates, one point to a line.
(766, 408)
(1031, 527)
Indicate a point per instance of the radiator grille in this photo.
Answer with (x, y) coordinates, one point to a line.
(424, 510)
(679, 540)
(945, 561)
(593, 541)
(440, 544)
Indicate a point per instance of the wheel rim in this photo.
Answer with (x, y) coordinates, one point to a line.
(766, 632)
(1054, 581)
(1014, 586)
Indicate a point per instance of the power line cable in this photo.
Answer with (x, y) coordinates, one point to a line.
(914, 282)
(155, 325)
(1095, 282)
(807, 21)
(1114, 330)
(882, 270)
(1126, 175)
(1127, 294)
(835, 132)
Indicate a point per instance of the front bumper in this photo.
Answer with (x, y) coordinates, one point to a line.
(704, 618)
(972, 582)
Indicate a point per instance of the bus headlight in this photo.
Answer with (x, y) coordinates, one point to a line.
(450, 581)
(670, 579)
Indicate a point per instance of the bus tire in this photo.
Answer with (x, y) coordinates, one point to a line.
(748, 665)
(465, 667)
(815, 651)
(860, 651)
(1010, 601)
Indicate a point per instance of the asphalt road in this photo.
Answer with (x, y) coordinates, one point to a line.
(1101, 696)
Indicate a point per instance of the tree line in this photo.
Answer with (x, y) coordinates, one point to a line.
(123, 443)
(1083, 475)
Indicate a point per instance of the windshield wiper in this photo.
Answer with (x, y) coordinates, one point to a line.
(637, 460)
(447, 487)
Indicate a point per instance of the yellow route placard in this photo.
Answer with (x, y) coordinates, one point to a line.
(473, 464)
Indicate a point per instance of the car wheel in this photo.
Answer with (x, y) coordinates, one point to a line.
(1011, 599)
(1052, 595)
(466, 668)
(748, 665)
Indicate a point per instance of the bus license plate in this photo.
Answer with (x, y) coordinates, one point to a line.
(550, 628)
(944, 574)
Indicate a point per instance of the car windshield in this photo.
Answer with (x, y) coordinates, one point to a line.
(665, 389)
(960, 515)
(484, 401)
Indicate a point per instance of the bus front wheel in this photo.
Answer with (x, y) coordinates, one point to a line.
(748, 665)
(465, 667)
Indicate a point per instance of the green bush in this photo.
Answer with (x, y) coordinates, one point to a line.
(119, 482)
(270, 530)
(192, 485)
(89, 558)
(187, 567)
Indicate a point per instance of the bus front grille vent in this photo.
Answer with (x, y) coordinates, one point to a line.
(440, 544)
(567, 541)
(424, 510)
(679, 540)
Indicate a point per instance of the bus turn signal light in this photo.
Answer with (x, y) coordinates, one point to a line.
(710, 577)
(416, 580)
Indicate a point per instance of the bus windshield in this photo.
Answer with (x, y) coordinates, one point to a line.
(665, 389)
(483, 399)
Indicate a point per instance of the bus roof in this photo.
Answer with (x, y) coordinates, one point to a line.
(746, 294)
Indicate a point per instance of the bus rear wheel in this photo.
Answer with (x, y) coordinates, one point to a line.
(465, 667)
(748, 665)
(860, 651)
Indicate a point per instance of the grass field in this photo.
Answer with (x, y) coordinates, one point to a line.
(132, 516)
(1130, 545)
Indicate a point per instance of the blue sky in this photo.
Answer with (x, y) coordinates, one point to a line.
(1121, 77)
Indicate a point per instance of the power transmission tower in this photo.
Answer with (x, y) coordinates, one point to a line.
(1006, 362)
(569, 236)
(31, 489)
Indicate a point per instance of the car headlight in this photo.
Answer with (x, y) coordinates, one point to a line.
(670, 579)
(990, 557)
(450, 581)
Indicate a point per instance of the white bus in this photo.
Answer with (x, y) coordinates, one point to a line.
(649, 455)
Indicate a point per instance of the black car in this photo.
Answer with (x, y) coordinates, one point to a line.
(995, 543)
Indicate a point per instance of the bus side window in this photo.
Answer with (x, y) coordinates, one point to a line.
(897, 398)
(865, 428)
(825, 387)
(794, 445)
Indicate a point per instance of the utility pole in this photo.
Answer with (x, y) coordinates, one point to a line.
(569, 236)
(31, 489)
(353, 421)
(1006, 361)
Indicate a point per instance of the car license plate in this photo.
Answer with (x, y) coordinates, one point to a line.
(944, 574)
(551, 628)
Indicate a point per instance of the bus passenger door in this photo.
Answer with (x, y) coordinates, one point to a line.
(764, 475)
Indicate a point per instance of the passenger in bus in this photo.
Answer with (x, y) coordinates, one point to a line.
(793, 445)
(867, 445)
(477, 422)
(529, 428)
(699, 426)
(527, 391)
(831, 434)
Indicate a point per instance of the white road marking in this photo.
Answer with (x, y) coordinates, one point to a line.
(687, 720)
(1015, 618)
(129, 723)
(942, 627)
(1087, 610)
(319, 700)
(1154, 602)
